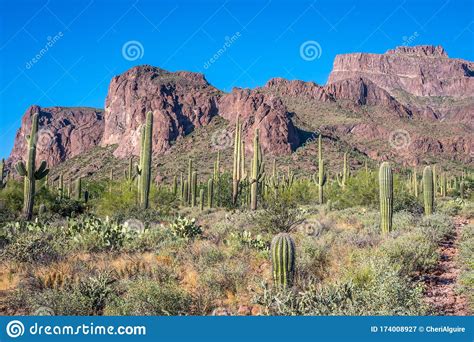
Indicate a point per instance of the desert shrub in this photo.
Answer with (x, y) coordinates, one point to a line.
(185, 228)
(279, 214)
(303, 192)
(466, 262)
(59, 302)
(162, 198)
(118, 198)
(11, 201)
(32, 248)
(148, 298)
(66, 207)
(467, 210)
(412, 252)
(436, 226)
(404, 201)
(223, 191)
(147, 216)
(360, 190)
(374, 287)
(404, 220)
(313, 260)
(450, 207)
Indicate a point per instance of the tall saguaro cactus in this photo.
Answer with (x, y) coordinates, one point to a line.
(257, 171)
(144, 170)
(321, 172)
(236, 174)
(29, 172)
(210, 193)
(386, 197)
(428, 190)
(283, 259)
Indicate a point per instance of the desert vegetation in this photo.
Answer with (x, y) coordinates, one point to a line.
(248, 238)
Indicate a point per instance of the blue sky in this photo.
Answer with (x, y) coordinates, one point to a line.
(82, 44)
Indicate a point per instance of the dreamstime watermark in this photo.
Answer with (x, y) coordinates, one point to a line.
(51, 41)
(229, 41)
(409, 40)
(133, 50)
(399, 139)
(16, 329)
(310, 50)
(221, 139)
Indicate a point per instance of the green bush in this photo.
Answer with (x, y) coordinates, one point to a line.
(148, 298)
(279, 214)
(466, 262)
(32, 248)
(413, 253)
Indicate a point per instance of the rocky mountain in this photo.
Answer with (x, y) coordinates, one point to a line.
(64, 132)
(418, 91)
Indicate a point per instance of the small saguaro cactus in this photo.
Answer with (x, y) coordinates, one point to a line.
(193, 188)
(428, 190)
(201, 199)
(78, 189)
(257, 172)
(210, 193)
(283, 259)
(144, 170)
(29, 171)
(461, 189)
(444, 184)
(61, 186)
(321, 172)
(386, 197)
(342, 179)
(415, 182)
(3, 181)
(174, 188)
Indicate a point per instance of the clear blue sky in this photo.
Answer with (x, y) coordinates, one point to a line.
(86, 40)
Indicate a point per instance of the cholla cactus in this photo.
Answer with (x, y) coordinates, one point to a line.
(29, 171)
(283, 259)
(386, 197)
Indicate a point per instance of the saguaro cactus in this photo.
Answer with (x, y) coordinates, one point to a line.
(283, 259)
(210, 193)
(236, 174)
(28, 171)
(144, 170)
(415, 182)
(3, 182)
(386, 197)
(201, 199)
(461, 189)
(193, 189)
(428, 190)
(444, 184)
(78, 189)
(342, 180)
(257, 171)
(322, 174)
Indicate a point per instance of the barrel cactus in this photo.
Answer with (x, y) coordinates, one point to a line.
(283, 259)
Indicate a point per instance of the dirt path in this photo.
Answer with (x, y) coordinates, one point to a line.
(440, 291)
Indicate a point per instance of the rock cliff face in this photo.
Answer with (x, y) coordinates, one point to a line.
(63, 133)
(421, 71)
(265, 112)
(179, 101)
(417, 89)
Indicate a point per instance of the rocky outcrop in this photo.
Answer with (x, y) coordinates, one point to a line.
(421, 71)
(179, 101)
(265, 112)
(299, 89)
(64, 132)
